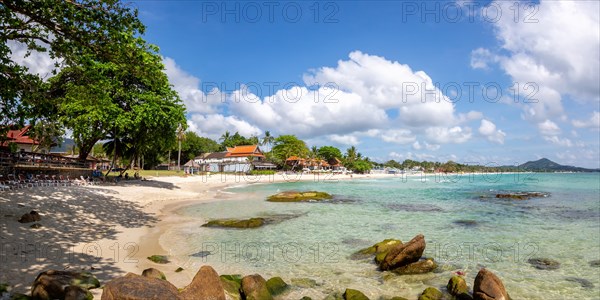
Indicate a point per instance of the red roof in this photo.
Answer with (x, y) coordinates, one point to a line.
(244, 151)
(19, 136)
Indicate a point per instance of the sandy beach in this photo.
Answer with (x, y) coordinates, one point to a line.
(107, 230)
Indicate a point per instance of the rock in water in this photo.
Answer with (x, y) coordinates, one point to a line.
(232, 223)
(137, 287)
(152, 272)
(205, 285)
(379, 248)
(489, 287)
(431, 293)
(276, 286)
(51, 284)
(420, 267)
(404, 254)
(159, 259)
(595, 263)
(351, 294)
(254, 287)
(586, 284)
(544, 263)
(291, 196)
(457, 285)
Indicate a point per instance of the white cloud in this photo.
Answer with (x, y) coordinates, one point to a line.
(564, 142)
(548, 128)
(214, 125)
(488, 129)
(344, 139)
(556, 47)
(431, 147)
(593, 122)
(39, 63)
(398, 136)
(444, 135)
(416, 145)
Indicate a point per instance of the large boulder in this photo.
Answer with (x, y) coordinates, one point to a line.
(431, 293)
(420, 267)
(152, 272)
(292, 196)
(457, 285)
(489, 287)
(276, 286)
(137, 287)
(254, 287)
(51, 284)
(380, 248)
(404, 254)
(206, 285)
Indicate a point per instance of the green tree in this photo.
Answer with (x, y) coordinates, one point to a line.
(193, 145)
(329, 153)
(268, 139)
(285, 146)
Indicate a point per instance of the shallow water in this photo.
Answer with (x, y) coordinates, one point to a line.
(464, 225)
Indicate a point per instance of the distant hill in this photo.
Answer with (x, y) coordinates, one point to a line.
(546, 165)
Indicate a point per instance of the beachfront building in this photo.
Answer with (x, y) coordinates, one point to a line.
(314, 164)
(236, 159)
(21, 139)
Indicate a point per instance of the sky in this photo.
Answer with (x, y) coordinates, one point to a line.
(492, 83)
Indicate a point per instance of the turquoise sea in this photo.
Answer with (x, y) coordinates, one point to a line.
(464, 225)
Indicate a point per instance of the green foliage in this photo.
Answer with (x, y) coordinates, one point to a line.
(285, 146)
(262, 172)
(194, 145)
(228, 140)
(329, 152)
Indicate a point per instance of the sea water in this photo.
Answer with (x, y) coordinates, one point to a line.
(466, 228)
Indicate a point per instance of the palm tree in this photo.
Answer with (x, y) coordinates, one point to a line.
(314, 152)
(225, 138)
(180, 137)
(268, 139)
(351, 154)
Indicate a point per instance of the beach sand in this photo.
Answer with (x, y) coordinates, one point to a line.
(107, 230)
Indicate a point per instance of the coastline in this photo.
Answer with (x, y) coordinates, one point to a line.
(109, 230)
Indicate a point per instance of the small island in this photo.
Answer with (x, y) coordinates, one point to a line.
(293, 196)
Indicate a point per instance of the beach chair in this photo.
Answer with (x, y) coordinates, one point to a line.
(48, 180)
(24, 181)
(4, 184)
(64, 181)
(12, 180)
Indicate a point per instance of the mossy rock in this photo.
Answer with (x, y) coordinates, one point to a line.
(334, 296)
(457, 285)
(304, 282)
(233, 223)
(86, 281)
(276, 286)
(3, 288)
(299, 196)
(379, 250)
(424, 265)
(232, 285)
(179, 270)
(431, 293)
(351, 294)
(159, 259)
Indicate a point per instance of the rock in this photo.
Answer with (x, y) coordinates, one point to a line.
(488, 286)
(431, 293)
(304, 282)
(586, 284)
(544, 263)
(206, 284)
(466, 223)
(334, 296)
(351, 294)
(232, 223)
(522, 195)
(51, 284)
(380, 248)
(457, 285)
(420, 267)
(137, 287)
(152, 272)
(595, 263)
(306, 298)
(201, 254)
(232, 285)
(291, 196)
(159, 259)
(36, 226)
(398, 298)
(276, 286)
(254, 287)
(404, 254)
(178, 270)
(32, 216)
(73, 292)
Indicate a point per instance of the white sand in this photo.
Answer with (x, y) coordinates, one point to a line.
(108, 230)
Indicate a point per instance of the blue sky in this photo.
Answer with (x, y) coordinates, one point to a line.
(372, 55)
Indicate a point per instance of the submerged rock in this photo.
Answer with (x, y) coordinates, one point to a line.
(51, 284)
(411, 207)
(351, 294)
(544, 263)
(304, 282)
(201, 254)
(233, 223)
(381, 247)
(431, 293)
(583, 282)
(276, 286)
(466, 223)
(420, 267)
(595, 263)
(522, 195)
(159, 259)
(292, 196)
(403, 254)
(488, 286)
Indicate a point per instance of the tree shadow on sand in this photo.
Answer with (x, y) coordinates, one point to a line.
(69, 216)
